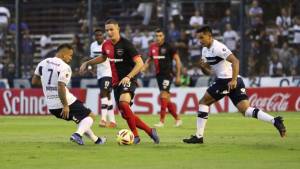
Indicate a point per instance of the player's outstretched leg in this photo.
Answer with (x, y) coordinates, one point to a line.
(163, 112)
(97, 140)
(128, 116)
(111, 115)
(104, 107)
(83, 126)
(172, 110)
(261, 115)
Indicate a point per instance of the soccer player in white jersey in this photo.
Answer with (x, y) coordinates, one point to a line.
(104, 77)
(54, 74)
(218, 59)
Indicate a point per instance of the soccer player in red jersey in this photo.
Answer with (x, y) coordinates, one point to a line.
(163, 54)
(125, 64)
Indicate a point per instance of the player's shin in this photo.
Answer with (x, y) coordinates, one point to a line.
(111, 115)
(128, 116)
(90, 134)
(259, 114)
(201, 120)
(104, 106)
(84, 125)
(163, 109)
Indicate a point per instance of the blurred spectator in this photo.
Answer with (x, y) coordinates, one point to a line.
(275, 66)
(228, 19)
(183, 48)
(296, 31)
(255, 13)
(46, 45)
(173, 33)
(197, 20)
(175, 13)
(194, 45)
(145, 41)
(9, 71)
(231, 38)
(283, 23)
(78, 51)
(144, 9)
(194, 73)
(295, 62)
(128, 32)
(160, 12)
(137, 39)
(27, 53)
(185, 79)
(4, 21)
(285, 56)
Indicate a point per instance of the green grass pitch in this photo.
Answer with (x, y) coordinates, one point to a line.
(231, 142)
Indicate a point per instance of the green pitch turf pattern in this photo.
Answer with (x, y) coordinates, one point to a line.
(231, 142)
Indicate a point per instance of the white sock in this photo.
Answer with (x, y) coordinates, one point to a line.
(201, 120)
(111, 113)
(260, 115)
(84, 125)
(104, 105)
(90, 134)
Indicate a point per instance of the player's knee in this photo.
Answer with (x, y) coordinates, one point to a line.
(104, 93)
(92, 115)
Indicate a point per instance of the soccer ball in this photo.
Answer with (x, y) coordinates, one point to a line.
(125, 137)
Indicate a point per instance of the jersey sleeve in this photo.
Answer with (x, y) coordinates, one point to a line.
(38, 69)
(222, 51)
(65, 75)
(172, 51)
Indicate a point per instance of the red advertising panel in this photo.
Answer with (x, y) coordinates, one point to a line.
(28, 101)
(275, 99)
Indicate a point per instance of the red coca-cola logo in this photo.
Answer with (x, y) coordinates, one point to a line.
(275, 102)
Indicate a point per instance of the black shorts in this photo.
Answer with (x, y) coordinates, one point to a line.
(77, 112)
(219, 89)
(120, 89)
(164, 82)
(105, 83)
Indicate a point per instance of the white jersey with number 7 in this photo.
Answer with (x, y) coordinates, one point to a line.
(52, 71)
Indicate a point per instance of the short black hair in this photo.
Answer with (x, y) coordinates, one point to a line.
(111, 21)
(205, 29)
(98, 30)
(63, 46)
(158, 30)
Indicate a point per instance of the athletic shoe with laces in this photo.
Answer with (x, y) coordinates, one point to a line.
(193, 140)
(278, 123)
(136, 140)
(154, 136)
(159, 124)
(100, 140)
(77, 139)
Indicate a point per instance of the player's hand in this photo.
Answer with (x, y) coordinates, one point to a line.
(65, 112)
(125, 81)
(201, 63)
(82, 68)
(232, 84)
(177, 81)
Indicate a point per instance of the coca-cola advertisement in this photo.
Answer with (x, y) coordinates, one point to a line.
(275, 99)
(28, 101)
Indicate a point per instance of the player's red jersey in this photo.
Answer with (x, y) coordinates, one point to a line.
(121, 56)
(163, 58)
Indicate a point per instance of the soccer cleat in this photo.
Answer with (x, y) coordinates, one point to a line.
(193, 140)
(102, 123)
(136, 140)
(160, 124)
(154, 136)
(100, 140)
(178, 123)
(112, 125)
(77, 139)
(278, 123)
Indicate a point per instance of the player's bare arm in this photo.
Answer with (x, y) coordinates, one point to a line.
(205, 67)
(235, 71)
(36, 80)
(178, 68)
(147, 64)
(136, 69)
(94, 61)
(62, 96)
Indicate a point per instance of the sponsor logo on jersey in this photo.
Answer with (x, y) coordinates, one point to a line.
(56, 64)
(159, 57)
(115, 60)
(120, 52)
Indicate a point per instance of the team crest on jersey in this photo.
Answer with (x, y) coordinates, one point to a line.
(67, 75)
(163, 51)
(120, 52)
(224, 49)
